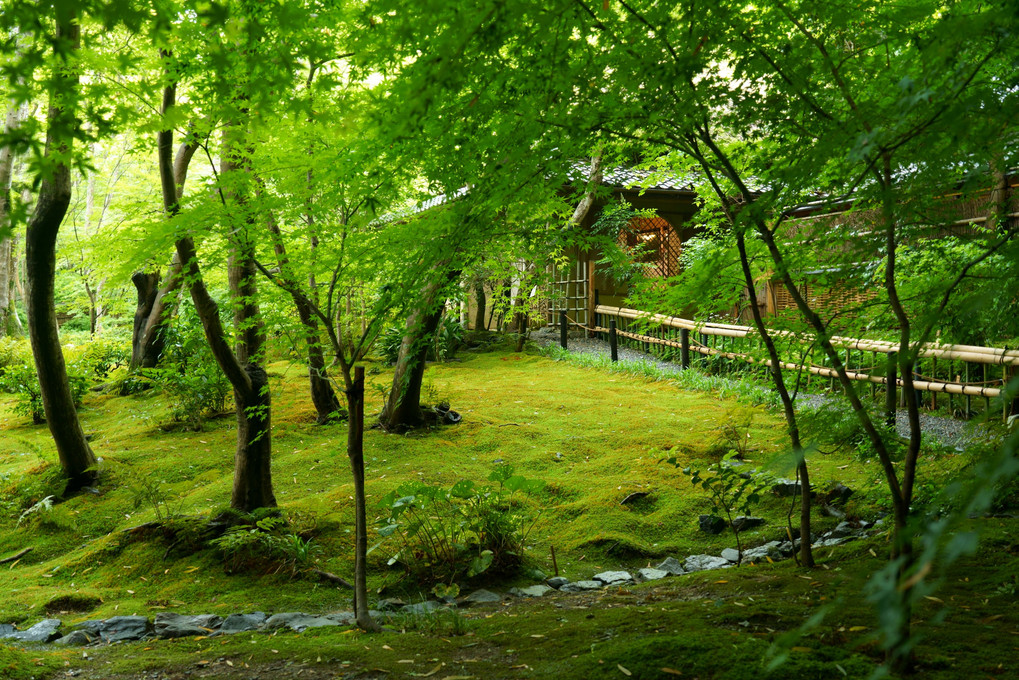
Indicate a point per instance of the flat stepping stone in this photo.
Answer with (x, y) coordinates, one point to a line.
(241, 623)
(581, 586)
(482, 596)
(46, 630)
(613, 578)
(122, 629)
(531, 591)
(169, 625)
(705, 563)
(649, 574)
(76, 638)
(731, 554)
(672, 566)
(426, 607)
(557, 581)
(297, 621)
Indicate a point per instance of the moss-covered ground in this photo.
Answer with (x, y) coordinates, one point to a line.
(592, 436)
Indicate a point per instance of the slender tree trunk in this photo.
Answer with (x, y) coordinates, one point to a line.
(479, 301)
(76, 457)
(355, 452)
(8, 315)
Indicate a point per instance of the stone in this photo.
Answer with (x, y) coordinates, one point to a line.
(649, 574)
(343, 618)
(786, 548)
(785, 487)
(557, 581)
(731, 555)
(672, 566)
(123, 629)
(832, 511)
(759, 553)
(634, 497)
(171, 625)
(76, 638)
(426, 607)
(841, 531)
(832, 542)
(581, 586)
(705, 563)
(482, 596)
(744, 523)
(44, 631)
(614, 578)
(240, 623)
(837, 495)
(711, 524)
(6, 630)
(531, 591)
(391, 604)
(297, 621)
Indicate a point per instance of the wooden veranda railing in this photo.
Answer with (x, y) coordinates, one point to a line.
(954, 370)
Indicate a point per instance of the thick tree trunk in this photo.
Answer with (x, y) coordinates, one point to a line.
(153, 314)
(76, 457)
(403, 407)
(252, 460)
(252, 470)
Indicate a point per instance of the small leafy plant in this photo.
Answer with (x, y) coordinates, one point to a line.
(267, 546)
(732, 494)
(445, 534)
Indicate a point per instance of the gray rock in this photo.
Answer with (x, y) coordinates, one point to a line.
(705, 563)
(614, 578)
(531, 591)
(711, 524)
(731, 554)
(297, 621)
(785, 487)
(123, 628)
(170, 625)
(842, 530)
(240, 623)
(76, 638)
(6, 630)
(425, 607)
(342, 618)
(744, 523)
(672, 566)
(832, 542)
(581, 586)
(391, 604)
(832, 511)
(786, 548)
(649, 574)
(482, 596)
(557, 581)
(837, 495)
(770, 549)
(44, 631)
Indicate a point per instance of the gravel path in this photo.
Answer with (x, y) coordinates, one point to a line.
(949, 431)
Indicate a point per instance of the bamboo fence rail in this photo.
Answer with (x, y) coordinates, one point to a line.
(967, 354)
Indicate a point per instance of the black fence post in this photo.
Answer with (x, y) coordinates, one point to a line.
(597, 316)
(890, 388)
(562, 328)
(613, 349)
(684, 348)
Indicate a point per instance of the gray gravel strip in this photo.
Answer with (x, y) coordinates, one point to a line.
(948, 431)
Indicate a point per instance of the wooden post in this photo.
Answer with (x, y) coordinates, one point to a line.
(592, 296)
(613, 349)
(562, 328)
(684, 349)
(890, 387)
(597, 316)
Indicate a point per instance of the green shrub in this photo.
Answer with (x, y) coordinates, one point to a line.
(188, 375)
(266, 546)
(445, 534)
(448, 338)
(22, 381)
